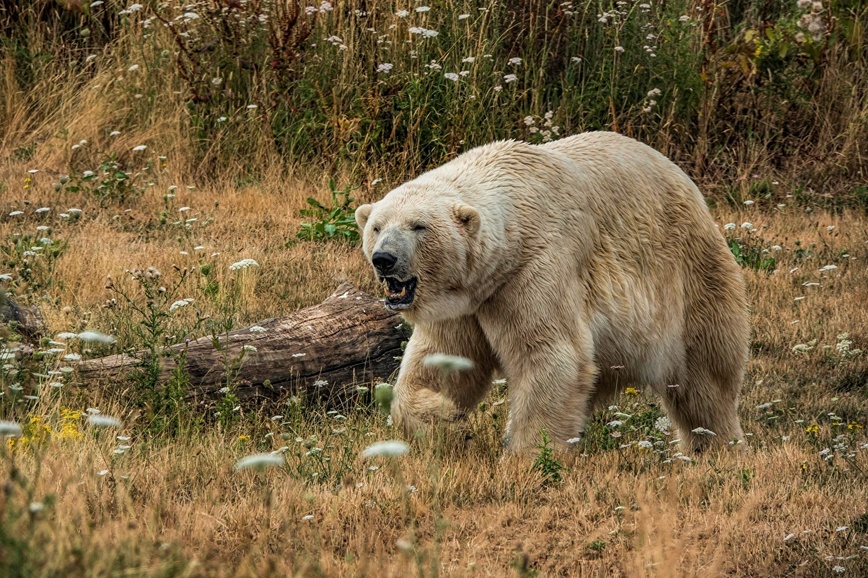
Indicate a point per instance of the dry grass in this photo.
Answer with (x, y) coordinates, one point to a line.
(174, 506)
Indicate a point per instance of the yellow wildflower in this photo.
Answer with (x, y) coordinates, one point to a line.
(812, 429)
(69, 425)
(631, 392)
(34, 432)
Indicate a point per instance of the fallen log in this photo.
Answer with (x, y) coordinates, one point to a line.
(348, 340)
(25, 320)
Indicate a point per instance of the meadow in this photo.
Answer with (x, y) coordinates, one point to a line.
(156, 167)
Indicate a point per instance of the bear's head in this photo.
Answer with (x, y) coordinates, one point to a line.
(421, 242)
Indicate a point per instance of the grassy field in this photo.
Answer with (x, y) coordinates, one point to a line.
(120, 162)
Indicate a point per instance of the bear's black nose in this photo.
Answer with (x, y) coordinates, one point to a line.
(383, 261)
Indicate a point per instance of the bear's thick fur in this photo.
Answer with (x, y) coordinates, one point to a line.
(575, 268)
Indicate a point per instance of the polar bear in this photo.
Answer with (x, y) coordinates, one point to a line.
(574, 268)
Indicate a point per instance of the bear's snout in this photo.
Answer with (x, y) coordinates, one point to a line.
(384, 262)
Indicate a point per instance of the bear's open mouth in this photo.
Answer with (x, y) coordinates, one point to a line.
(400, 294)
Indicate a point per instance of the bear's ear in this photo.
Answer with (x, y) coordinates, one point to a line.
(362, 214)
(467, 217)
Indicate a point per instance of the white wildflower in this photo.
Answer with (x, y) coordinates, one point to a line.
(703, 432)
(389, 448)
(385, 67)
(243, 264)
(514, 61)
(96, 337)
(9, 428)
(257, 329)
(99, 420)
(507, 78)
(451, 76)
(139, 148)
(448, 363)
(663, 424)
(259, 461)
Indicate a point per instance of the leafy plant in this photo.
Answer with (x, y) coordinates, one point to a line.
(752, 256)
(32, 258)
(335, 222)
(545, 461)
(111, 183)
(148, 314)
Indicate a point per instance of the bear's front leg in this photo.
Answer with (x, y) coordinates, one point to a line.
(424, 394)
(547, 352)
(550, 388)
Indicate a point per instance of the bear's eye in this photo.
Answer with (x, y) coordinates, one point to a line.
(419, 227)
(376, 229)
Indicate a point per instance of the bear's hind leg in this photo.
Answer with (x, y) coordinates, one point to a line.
(704, 409)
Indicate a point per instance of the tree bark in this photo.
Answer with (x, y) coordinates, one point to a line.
(348, 340)
(27, 320)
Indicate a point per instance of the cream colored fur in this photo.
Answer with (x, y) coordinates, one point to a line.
(576, 268)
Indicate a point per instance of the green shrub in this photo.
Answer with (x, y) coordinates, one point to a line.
(336, 222)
